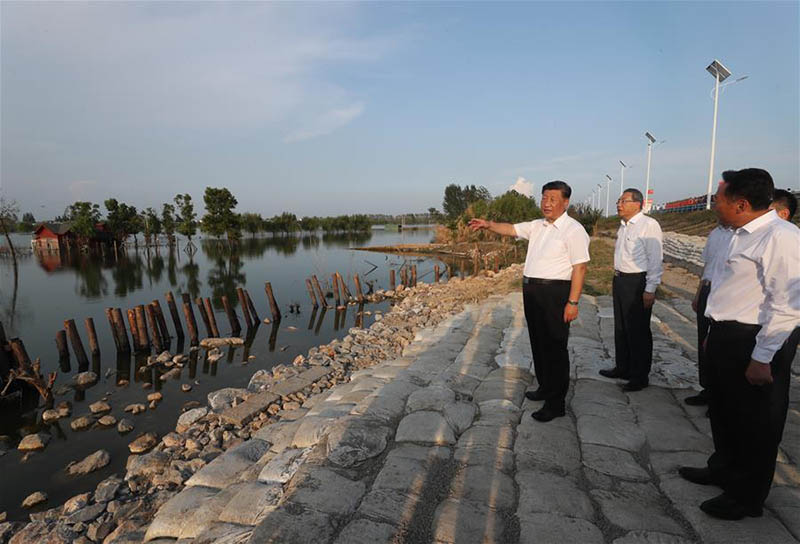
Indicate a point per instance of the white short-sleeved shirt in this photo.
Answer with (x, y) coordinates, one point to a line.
(553, 248)
(639, 249)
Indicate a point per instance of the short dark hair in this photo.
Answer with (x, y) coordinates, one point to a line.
(785, 200)
(752, 184)
(557, 185)
(636, 195)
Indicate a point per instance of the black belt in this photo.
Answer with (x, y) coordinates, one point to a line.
(625, 274)
(705, 283)
(541, 281)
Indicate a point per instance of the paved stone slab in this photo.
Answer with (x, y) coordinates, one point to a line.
(545, 447)
(388, 403)
(363, 531)
(484, 485)
(613, 462)
(254, 405)
(433, 398)
(279, 435)
(498, 436)
(650, 537)
(224, 533)
(557, 529)
(674, 433)
(487, 456)
(541, 492)
(460, 415)
(403, 474)
(324, 490)
(316, 373)
(425, 427)
(286, 387)
(610, 432)
(252, 503)
(298, 526)
(463, 522)
(498, 388)
(283, 466)
(636, 507)
(223, 471)
(311, 430)
(172, 517)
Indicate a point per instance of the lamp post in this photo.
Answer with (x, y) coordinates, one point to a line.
(623, 166)
(651, 141)
(599, 192)
(608, 191)
(720, 74)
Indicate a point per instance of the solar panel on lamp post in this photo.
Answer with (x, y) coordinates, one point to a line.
(622, 168)
(720, 74)
(651, 140)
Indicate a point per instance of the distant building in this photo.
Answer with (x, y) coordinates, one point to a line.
(58, 236)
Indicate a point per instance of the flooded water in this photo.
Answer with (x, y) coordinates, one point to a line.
(52, 288)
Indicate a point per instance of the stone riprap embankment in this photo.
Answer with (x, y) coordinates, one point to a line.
(684, 247)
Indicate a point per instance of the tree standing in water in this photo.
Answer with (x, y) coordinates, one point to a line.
(168, 223)
(220, 218)
(186, 224)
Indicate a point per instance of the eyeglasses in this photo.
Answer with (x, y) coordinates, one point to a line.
(620, 201)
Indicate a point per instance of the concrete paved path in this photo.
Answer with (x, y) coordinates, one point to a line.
(439, 446)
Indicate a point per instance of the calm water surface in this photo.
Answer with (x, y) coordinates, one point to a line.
(50, 289)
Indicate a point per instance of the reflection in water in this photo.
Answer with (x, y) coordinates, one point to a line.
(225, 277)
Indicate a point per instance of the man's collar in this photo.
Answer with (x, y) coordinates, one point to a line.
(759, 222)
(633, 219)
(558, 223)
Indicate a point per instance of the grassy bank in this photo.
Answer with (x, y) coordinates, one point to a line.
(698, 223)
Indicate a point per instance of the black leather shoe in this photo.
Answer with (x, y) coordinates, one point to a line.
(701, 399)
(547, 413)
(535, 395)
(614, 373)
(697, 475)
(726, 507)
(634, 386)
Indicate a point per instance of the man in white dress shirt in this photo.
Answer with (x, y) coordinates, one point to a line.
(713, 258)
(637, 273)
(754, 309)
(555, 266)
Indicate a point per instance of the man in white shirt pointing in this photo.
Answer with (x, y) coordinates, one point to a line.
(555, 266)
(754, 309)
(637, 273)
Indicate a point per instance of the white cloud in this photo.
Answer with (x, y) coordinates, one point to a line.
(325, 123)
(522, 186)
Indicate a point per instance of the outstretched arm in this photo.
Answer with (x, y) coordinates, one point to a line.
(506, 229)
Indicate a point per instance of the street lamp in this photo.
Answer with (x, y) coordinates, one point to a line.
(599, 192)
(651, 140)
(623, 166)
(720, 74)
(608, 191)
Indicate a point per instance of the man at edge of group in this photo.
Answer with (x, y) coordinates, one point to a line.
(754, 309)
(555, 266)
(713, 258)
(784, 203)
(637, 273)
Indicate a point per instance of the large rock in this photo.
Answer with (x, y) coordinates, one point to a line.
(81, 423)
(252, 503)
(223, 398)
(107, 489)
(33, 442)
(99, 407)
(425, 427)
(144, 443)
(85, 379)
(353, 440)
(283, 466)
(33, 499)
(93, 462)
(295, 526)
(190, 417)
(210, 343)
(224, 470)
(557, 528)
(148, 464)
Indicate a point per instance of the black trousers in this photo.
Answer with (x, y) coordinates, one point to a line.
(633, 340)
(703, 324)
(544, 312)
(746, 420)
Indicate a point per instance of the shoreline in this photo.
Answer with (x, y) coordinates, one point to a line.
(280, 394)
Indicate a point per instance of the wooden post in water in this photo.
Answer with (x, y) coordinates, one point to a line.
(173, 311)
(204, 316)
(141, 328)
(162, 323)
(114, 332)
(315, 281)
(392, 284)
(156, 334)
(359, 294)
(404, 276)
(119, 324)
(245, 310)
(436, 273)
(253, 312)
(191, 323)
(346, 296)
(212, 319)
(273, 306)
(335, 282)
(414, 276)
(311, 294)
(137, 342)
(19, 353)
(94, 347)
(77, 345)
(236, 328)
(61, 345)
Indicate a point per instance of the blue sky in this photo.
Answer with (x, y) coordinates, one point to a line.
(330, 108)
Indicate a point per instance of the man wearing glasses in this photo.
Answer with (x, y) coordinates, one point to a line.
(637, 273)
